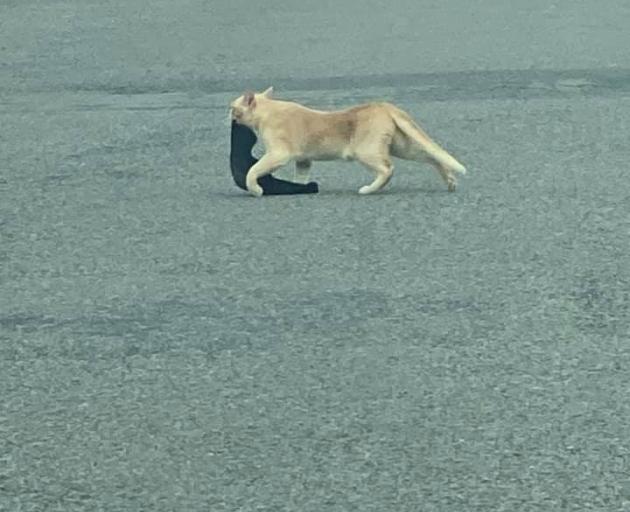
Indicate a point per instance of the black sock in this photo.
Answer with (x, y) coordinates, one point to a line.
(241, 161)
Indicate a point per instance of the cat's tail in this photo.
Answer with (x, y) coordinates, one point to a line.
(433, 150)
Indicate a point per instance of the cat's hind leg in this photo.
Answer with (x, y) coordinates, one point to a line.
(447, 175)
(382, 167)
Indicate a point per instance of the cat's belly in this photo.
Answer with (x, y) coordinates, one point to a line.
(327, 155)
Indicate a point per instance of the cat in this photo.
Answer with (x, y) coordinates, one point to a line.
(242, 140)
(370, 133)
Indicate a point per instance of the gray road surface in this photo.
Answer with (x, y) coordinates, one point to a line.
(168, 343)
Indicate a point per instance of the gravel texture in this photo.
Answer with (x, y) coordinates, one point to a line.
(168, 343)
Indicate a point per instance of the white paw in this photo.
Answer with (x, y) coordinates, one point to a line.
(255, 190)
(366, 189)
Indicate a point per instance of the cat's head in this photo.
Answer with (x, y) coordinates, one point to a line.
(243, 108)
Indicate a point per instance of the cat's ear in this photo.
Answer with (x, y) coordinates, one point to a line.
(268, 93)
(249, 99)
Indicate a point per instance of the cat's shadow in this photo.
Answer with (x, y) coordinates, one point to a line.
(415, 191)
(343, 193)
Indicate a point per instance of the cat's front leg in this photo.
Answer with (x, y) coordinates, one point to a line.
(264, 166)
(302, 171)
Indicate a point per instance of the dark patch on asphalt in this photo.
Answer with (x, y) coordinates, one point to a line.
(456, 85)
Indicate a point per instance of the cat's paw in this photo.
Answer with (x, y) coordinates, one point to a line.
(255, 190)
(365, 190)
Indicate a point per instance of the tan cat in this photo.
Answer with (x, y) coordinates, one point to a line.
(369, 133)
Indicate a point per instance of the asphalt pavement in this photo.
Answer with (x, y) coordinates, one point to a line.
(169, 343)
